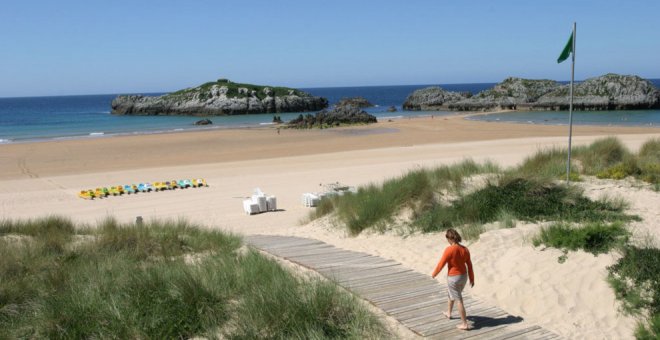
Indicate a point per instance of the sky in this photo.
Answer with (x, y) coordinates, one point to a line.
(109, 47)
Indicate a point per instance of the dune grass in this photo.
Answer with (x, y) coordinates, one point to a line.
(525, 199)
(604, 158)
(635, 280)
(159, 280)
(375, 206)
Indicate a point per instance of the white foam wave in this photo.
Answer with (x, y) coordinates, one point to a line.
(5, 141)
(96, 134)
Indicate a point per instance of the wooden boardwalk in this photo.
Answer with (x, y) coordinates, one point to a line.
(414, 299)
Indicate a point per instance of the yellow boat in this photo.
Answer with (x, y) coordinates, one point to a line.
(159, 186)
(199, 182)
(87, 194)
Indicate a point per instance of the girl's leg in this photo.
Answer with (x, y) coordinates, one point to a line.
(450, 307)
(461, 311)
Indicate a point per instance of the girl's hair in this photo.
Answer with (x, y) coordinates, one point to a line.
(453, 235)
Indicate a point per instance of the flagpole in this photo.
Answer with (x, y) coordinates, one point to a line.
(570, 111)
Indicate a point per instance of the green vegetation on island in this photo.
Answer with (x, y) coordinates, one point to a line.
(234, 90)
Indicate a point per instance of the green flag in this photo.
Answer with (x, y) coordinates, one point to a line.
(567, 50)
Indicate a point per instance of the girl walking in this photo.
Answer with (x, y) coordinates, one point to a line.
(459, 268)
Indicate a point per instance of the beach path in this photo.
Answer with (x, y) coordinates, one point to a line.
(415, 300)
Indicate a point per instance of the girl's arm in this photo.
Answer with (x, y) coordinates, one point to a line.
(441, 263)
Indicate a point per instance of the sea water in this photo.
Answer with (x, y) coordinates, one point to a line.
(64, 117)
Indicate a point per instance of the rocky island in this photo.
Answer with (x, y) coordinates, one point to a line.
(359, 102)
(222, 97)
(607, 92)
(338, 116)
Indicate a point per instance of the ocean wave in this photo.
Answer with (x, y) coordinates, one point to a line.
(5, 141)
(92, 134)
(391, 117)
(267, 123)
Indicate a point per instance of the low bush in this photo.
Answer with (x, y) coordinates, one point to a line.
(596, 237)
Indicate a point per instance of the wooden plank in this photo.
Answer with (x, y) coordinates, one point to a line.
(426, 294)
(356, 270)
(383, 276)
(402, 298)
(376, 291)
(316, 259)
(283, 243)
(388, 291)
(319, 261)
(296, 251)
(309, 250)
(272, 239)
(344, 265)
(399, 296)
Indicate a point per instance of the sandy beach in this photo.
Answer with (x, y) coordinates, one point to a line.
(571, 299)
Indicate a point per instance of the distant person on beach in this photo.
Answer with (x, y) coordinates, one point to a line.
(457, 258)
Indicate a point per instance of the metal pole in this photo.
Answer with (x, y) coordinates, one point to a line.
(570, 111)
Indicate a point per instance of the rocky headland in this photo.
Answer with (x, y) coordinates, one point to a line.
(338, 116)
(607, 92)
(221, 97)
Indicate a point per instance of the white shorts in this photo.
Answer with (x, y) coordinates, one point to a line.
(455, 285)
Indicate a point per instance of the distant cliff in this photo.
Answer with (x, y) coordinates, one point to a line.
(608, 92)
(221, 97)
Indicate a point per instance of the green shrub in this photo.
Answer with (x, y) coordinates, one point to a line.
(650, 331)
(636, 283)
(595, 238)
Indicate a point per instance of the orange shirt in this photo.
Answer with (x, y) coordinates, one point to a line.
(456, 257)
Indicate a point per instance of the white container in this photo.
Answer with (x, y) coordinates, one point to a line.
(310, 200)
(271, 202)
(250, 207)
(262, 203)
(254, 208)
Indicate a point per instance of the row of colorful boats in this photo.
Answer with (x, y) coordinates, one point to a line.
(142, 187)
